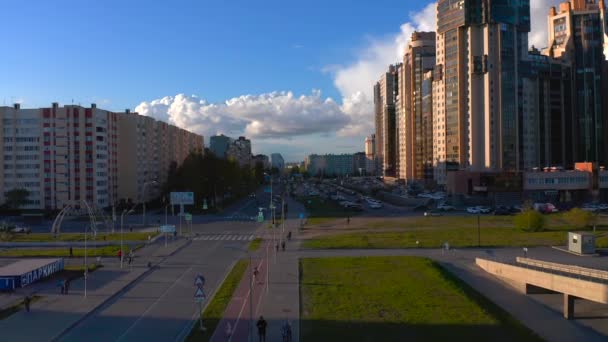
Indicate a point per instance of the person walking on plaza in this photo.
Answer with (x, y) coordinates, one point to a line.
(131, 255)
(119, 255)
(66, 286)
(286, 331)
(26, 303)
(283, 245)
(262, 329)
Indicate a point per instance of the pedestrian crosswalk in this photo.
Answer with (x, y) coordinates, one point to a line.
(225, 237)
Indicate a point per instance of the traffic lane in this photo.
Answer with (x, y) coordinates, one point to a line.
(160, 306)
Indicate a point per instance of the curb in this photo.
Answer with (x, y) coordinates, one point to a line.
(117, 293)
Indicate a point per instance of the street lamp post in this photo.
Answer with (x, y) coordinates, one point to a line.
(143, 199)
(250, 339)
(122, 216)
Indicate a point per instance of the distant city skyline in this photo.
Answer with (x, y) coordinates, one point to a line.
(293, 84)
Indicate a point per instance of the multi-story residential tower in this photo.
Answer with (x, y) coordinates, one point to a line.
(218, 145)
(147, 149)
(418, 59)
(276, 160)
(427, 127)
(477, 85)
(63, 155)
(240, 151)
(60, 155)
(330, 165)
(577, 34)
(546, 136)
(370, 154)
(385, 94)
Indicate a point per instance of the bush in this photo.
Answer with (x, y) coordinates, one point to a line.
(530, 220)
(579, 218)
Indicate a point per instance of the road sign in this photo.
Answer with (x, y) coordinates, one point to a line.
(301, 215)
(267, 190)
(199, 295)
(188, 217)
(182, 198)
(199, 281)
(167, 229)
(260, 217)
(205, 207)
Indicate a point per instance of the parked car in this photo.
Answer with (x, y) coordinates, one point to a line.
(445, 207)
(375, 205)
(21, 230)
(473, 210)
(484, 210)
(432, 213)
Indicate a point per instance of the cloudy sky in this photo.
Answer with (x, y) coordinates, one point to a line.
(295, 77)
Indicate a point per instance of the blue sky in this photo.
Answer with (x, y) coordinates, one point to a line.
(123, 54)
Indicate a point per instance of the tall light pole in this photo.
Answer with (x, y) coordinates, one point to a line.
(250, 339)
(122, 252)
(143, 199)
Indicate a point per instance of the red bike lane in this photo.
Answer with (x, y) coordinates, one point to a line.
(234, 325)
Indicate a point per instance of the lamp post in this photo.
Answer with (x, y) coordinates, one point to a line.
(122, 216)
(143, 199)
(250, 339)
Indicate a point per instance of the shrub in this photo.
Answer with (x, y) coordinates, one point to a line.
(579, 218)
(529, 220)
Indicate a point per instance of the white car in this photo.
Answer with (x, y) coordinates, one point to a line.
(375, 205)
(445, 207)
(23, 230)
(473, 210)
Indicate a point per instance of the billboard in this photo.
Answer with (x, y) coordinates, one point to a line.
(182, 198)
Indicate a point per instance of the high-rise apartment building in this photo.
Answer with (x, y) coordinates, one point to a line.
(477, 86)
(239, 150)
(370, 154)
(63, 155)
(547, 130)
(331, 164)
(59, 155)
(277, 161)
(219, 144)
(418, 60)
(385, 95)
(578, 34)
(147, 149)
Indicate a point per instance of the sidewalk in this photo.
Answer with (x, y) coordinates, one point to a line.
(278, 302)
(54, 314)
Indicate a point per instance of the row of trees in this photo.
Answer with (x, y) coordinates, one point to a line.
(213, 180)
(532, 220)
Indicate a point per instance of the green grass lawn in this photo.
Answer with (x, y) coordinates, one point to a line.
(255, 244)
(214, 311)
(105, 251)
(459, 231)
(396, 299)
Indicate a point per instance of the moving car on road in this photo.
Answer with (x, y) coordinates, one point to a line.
(432, 213)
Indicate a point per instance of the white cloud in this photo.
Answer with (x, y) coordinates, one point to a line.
(539, 9)
(271, 115)
(355, 81)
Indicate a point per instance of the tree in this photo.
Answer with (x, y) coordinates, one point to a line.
(16, 198)
(294, 170)
(579, 218)
(529, 220)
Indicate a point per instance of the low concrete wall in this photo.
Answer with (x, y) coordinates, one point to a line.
(594, 291)
(402, 201)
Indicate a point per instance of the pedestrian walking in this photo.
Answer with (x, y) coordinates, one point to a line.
(71, 252)
(66, 286)
(120, 255)
(286, 331)
(283, 245)
(277, 247)
(61, 285)
(289, 235)
(131, 256)
(262, 329)
(26, 303)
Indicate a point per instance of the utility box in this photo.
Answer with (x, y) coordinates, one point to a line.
(581, 242)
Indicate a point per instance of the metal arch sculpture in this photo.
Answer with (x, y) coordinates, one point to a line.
(55, 228)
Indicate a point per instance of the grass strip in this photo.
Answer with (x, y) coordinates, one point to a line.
(255, 244)
(396, 299)
(213, 313)
(103, 251)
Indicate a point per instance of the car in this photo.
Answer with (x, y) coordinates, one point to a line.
(473, 210)
(445, 207)
(484, 210)
(375, 205)
(430, 213)
(21, 230)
